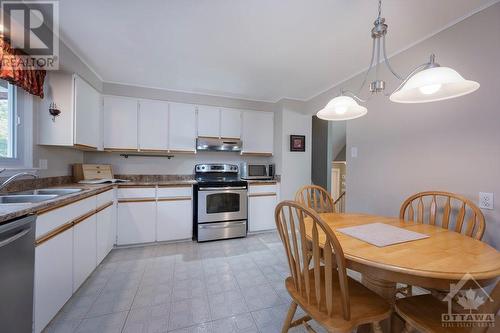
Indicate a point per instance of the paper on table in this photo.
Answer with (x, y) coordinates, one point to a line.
(380, 234)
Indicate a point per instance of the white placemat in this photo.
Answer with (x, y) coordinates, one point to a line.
(381, 234)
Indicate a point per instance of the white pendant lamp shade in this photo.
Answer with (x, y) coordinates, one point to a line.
(342, 108)
(434, 84)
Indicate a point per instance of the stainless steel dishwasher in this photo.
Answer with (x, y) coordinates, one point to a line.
(17, 265)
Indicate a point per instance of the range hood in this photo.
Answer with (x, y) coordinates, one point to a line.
(212, 144)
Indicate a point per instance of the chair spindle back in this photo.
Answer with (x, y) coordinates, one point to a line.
(295, 222)
(448, 210)
(316, 198)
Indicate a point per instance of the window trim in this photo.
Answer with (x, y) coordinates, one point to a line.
(22, 122)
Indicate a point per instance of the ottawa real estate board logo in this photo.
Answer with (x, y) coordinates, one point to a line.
(468, 307)
(31, 29)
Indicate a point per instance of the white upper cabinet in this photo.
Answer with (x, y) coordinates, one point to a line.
(120, 123)
(257, 133)
(214, 122)
(182, 128)
(78, 124)
(208, 121)
(87, 104)
(230, 123)
(153, 125)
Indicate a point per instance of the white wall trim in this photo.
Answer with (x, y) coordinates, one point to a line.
(233, 97)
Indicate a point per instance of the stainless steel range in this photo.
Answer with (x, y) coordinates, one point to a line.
(220, 203)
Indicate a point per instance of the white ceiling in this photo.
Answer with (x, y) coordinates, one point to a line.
(253, 49)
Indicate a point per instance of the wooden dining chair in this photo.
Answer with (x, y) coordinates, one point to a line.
(316, 198)
(423, 313)
(457, 212)
(324, 291)
(447, 210)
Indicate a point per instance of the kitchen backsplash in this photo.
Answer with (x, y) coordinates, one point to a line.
(179, 165)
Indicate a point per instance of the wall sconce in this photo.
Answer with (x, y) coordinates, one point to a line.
(54, 111)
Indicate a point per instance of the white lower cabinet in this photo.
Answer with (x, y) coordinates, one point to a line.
(53, 277)
(174, 219)
(105, 232)
(136, 222)
(262, 201)
(84, 250)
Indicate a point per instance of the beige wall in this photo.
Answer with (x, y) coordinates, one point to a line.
(294, 167)
(450, 145)
(59, 160)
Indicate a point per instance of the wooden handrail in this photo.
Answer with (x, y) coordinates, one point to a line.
(339, 204)
(339, 198)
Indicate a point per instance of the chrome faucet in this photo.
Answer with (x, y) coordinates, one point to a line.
(14, 177)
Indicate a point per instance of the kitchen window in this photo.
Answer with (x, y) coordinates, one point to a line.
(14, 139)
(8, 121)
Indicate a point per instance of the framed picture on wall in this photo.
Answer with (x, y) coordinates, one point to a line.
(297, 143)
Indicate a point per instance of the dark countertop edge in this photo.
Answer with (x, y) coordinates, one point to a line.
(35, 208)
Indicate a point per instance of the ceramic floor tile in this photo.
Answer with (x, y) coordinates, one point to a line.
(148, 319)
(63, 327)
(76, 308)
(242, 323)
(183, 271)
(260, 297)
(112, 323)
(153, 295)
(184, 288)
(227, 304)
(165, 250)
(187, 256)
(189, 288)
(200, 328)
(216, 266)
(158, 276)
(111, 302)
(275, 273)
(217, 283)
(250, 278)
(242, 263)
(213, 253)
(272, 319)
(186, 313)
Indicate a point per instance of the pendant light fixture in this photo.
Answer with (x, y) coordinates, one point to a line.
(428, 82)
(342, 108)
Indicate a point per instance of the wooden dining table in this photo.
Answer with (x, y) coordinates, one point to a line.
(434, 262)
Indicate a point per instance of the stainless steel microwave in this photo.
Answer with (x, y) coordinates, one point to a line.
(257, 171)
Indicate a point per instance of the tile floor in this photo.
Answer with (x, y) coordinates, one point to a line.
(216, 287)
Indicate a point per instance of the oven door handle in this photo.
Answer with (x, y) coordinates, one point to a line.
(222, 188)
(225, 225)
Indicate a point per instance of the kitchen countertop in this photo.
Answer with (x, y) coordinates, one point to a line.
(12, 211)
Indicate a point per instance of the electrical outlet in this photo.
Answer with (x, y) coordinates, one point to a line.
(354, 152)
(42, 164)
(486, 200)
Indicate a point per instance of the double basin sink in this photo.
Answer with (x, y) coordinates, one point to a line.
(33, 196)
